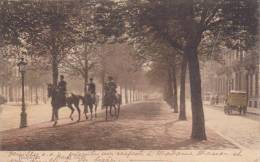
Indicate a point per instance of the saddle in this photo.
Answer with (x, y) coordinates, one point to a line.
(90, 98)
(62, 97)
(109, 99)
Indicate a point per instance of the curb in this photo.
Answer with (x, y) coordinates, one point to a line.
(249, 112)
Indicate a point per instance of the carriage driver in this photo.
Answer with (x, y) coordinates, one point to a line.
(91, 87)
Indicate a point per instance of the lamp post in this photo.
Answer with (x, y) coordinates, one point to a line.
(22, 67)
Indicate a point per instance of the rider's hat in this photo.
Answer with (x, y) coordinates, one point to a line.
(91, 79)
(62, 76)
(110, 78)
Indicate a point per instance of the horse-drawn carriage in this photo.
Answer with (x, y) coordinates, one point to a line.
(236, 101)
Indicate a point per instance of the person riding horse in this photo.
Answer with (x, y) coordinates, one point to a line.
(62, 89)
(110, 89)
(91, 87)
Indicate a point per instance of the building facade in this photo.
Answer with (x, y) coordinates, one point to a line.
(239, 70)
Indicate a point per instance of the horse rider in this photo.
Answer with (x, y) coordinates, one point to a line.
(62, 87)
(91, 87)
(111, 86)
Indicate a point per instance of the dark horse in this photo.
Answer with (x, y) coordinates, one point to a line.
(90, 102)
(57, 102)
(110, 101)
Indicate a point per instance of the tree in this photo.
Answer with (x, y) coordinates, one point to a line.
(183, 24)
(159, 52)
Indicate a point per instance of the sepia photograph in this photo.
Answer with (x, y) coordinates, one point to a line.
(129, 81)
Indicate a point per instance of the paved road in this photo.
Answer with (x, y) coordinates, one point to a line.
(146, 125)
(244, 131)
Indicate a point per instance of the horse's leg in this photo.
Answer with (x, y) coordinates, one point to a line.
(118, 110)
(95, 110)
(106, 112)
(85, 111)
(72, 110)
(55, 111)
(110, 110)
(91, 110)
(52, 114)
(78, 109)
(115, 110)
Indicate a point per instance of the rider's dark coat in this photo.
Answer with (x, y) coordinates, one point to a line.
(62, 86)
(92, 88)
(111, 86)
(110, 93)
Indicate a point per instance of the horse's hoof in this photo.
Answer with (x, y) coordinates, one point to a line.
(55, 123)
(71, 118)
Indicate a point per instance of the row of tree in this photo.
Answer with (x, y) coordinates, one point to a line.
(188, 29)
(164, 35)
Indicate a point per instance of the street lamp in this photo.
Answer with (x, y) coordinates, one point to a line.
(22, 68)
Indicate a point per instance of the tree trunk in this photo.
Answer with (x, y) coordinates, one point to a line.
(198, 123)
(6, 94)
(182, 115)
(130, 95)
(36, 96)
(126, 94)
(43, 95)
(85, 73)
(103, 84)
(169, 90)
(247, 85)
(134, 95)
(175, 90)
(11, 96)
(2, 90)
(55, 70)
(120, 90)
(31, 94)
